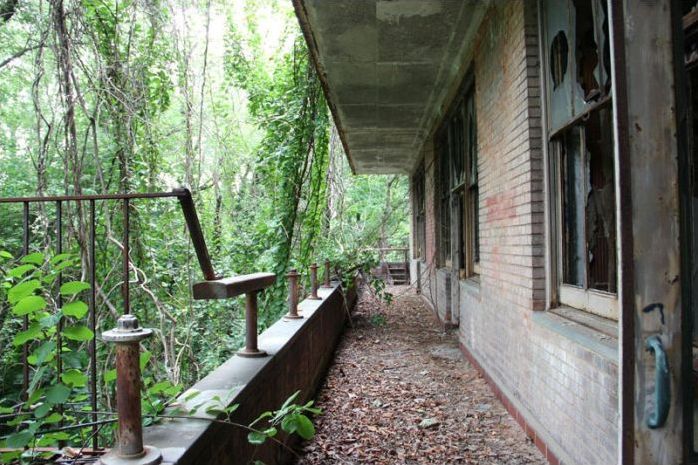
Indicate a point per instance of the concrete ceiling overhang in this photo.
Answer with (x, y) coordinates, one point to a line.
(388, 68)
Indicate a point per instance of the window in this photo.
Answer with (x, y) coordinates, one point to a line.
(456, 149)
(419, 236)
(580, 131)
(442, 150)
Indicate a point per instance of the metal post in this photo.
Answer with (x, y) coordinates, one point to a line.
(93, 325)
(195, 232)
(251, 349)
(59, 302)
(130, 449)
(313, 283)
(125, 260)
(25, 320)
(327, 274)
(293, 296)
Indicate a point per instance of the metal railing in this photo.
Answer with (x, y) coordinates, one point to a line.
(128, 332)
(197, 238)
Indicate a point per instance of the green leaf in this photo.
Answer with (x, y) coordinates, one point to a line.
(60, 258)
(55, 417)
(51, 439)
(144, 359)
(160, 387)
(43, 410)
(5, 254)
(49, 320)
(78, 333)
(36, 258)
(22, 290)
(19, 440)
(289, 424)
(270, 432)
(58, 393)
(42, 353)
(32, 333)
(214, 410)
(10, 457)
(109, 376)
(19, 271)
(232, 408)
(29, 304)
(77, 309)
(305, 427)
(73, 287)
(256, 438)
(290, 400)
(62, 266)
(35, 396)
(193, 393)
(75, 378)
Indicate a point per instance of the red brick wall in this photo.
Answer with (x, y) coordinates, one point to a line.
(560, 377)
(510, 159)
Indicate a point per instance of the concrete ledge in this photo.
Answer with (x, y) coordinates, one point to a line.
(588, 338)
(299, 353)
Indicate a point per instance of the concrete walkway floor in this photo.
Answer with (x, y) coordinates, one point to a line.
(401, 392)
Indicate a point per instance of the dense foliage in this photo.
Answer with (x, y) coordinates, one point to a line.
(100, 96)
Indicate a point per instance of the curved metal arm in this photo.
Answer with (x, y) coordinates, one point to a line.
(662, 388)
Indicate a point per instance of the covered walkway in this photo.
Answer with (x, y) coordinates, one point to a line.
(400, 392)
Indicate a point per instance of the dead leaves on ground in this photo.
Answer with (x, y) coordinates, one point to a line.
(399, 392)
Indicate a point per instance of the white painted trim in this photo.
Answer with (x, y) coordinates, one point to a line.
(597, 302)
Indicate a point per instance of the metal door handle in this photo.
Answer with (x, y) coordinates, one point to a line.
(662, 388)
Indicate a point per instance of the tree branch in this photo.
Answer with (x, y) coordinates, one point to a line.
(18, 54)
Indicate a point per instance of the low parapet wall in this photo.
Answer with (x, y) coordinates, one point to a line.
(299, 353)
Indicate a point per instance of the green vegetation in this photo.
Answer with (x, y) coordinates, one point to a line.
(103, 96)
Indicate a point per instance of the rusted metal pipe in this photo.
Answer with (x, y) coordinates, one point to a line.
(293, 296)
(25, 319)
(92, 348)
(251, 348)
(327, 274)
(313, 283)
(130, 449)
(196, 233)
(125, 289)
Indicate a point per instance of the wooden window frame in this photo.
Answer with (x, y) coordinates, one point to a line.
(419, 213)
(456, 149)
(598, 302)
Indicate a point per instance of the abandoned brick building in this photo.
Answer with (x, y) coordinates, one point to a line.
(552, 193)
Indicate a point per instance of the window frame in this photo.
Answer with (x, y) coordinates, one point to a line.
(598, 302)
(455, 145)
(419, 213)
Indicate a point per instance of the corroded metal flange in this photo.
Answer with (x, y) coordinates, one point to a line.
(127, 330)
(150, 456)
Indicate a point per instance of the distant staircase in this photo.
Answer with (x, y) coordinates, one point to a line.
(394, 265)
(398, 272)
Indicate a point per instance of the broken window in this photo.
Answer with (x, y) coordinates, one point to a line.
(580, 131)
(578, 58)
(456, 145)
(418, 208)
(588, 204)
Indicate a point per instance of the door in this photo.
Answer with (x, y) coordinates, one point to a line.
(654, 239)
